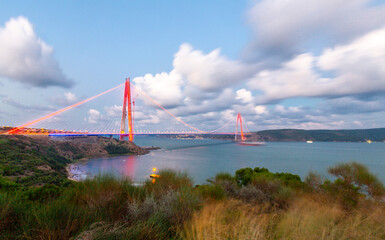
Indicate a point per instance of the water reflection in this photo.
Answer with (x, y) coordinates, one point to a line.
(129, 166)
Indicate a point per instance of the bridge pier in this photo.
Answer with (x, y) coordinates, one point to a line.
(127, 113)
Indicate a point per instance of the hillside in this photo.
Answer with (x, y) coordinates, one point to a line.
(298, 135)
(36, 161)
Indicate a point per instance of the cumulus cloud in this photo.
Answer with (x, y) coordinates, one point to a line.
(244, 95)
(165, 88)
(350, 71)
(113, 111)
(285, 28)
(67, 98)
(26, 58)
(357, 66)
(94, 116)
(209, 72)
(346, 72)
(261, 109)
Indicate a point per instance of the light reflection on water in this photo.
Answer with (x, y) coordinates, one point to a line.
(203, 158)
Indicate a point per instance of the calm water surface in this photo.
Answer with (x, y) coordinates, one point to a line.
(203, 158)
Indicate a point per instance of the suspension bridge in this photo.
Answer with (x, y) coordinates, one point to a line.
(124, 125)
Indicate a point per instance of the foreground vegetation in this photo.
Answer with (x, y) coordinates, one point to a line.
(251, 204)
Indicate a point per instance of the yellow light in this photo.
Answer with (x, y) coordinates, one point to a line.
(154, 169)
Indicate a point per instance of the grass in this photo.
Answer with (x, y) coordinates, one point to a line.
(231, 219)
(252, 204)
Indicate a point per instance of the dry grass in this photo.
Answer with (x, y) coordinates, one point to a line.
(230, 220)
(309, 219)
(306, 219)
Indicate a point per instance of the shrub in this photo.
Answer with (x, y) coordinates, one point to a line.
(313, 181)
(214, 191)
(112, 148)
(177, 207)
(224, 177)
(44, 193)
(250, 193)
(356, 174)
(230, 188)
(243, 176)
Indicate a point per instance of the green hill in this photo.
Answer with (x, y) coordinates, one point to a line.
(298, 135)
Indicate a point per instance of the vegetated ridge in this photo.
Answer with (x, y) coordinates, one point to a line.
(299, 135)
(36, 161)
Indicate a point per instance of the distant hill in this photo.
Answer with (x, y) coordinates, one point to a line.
(299, 135)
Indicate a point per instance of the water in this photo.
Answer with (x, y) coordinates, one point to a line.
(203, 158)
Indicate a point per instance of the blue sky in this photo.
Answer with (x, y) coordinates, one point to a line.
(282, 64)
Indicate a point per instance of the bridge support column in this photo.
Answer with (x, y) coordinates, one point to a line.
(239, 120)
(127, 113)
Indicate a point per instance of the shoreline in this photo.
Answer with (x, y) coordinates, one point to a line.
(73, 172)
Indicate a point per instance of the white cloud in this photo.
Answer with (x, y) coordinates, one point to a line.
(114, 111)
(26, 58)
(261, 109)
(197, 82)
(165, 88)
(358, 68)
(287, 27)
(93, 116)
(244, 95)
(209, 72)
(68, 98)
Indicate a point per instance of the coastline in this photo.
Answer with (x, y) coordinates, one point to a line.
(73, 172)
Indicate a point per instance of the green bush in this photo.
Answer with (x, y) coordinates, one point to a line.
(245, 176)
(224, 177)
(357, 175)
(214, 191)
(353, 183)
(112, 148)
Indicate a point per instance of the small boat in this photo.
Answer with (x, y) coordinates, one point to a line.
(251, 143)
(309, 141)
(153, 175)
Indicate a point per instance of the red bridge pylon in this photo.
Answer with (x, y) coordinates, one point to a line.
(127, 113)
(239, 121)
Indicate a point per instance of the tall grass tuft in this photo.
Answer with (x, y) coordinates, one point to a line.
(309, 219)
(230, 220)
(169, 180)
(57, 220)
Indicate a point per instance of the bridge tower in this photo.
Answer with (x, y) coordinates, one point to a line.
(127, 113)
(239, 121)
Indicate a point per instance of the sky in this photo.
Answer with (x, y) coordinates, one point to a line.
(316, 64)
